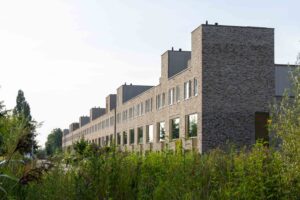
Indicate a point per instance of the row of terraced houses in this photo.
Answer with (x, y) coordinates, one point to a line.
(217, 93)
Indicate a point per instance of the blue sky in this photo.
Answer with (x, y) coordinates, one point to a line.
(67, 55)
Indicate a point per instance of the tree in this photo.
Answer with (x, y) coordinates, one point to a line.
(22, 111)
(41, 154)
(285, 120)
(22, 108)
(54, 141)
(2, 111)
(80, 146)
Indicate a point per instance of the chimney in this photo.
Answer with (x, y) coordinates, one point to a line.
(206, 23)
(216, 24)
(179, 49)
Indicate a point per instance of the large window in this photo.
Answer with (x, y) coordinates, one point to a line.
(140, 135)
(175, 128)
(131, 136)
(192, 125)
(187, 89)
(124, 138)
(149, 133)
(261, 128)
(161, 131)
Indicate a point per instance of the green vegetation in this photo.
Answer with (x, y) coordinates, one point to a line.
(105, 174)
(54, 141)
(22, 113)
(16, 141)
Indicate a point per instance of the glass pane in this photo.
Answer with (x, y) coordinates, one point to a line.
(131, 132)
(192, 125)
(140, 135)
(150, 133)
(124, 137)
(175, 128)
(161, 131)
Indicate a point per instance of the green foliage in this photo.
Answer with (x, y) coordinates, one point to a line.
(259, 174)
(22, 107)
(80, 146)
(22, 111)
(54, 142)
(41, 154)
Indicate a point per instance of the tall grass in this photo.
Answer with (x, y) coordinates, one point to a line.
(258, 174)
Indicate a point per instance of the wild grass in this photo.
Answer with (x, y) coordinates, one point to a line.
(257, 174)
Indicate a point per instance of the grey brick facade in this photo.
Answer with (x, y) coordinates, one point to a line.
(226, 78)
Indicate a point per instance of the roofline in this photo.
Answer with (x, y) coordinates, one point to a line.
(234, 26)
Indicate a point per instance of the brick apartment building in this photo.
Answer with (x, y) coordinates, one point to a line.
(216, 93)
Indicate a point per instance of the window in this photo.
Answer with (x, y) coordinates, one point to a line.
(171, 96)
(112, 122)
(192, 125)
(261, 126)
(147, 105)
(124, 117)
(177, 93)
(118, 139)
(142, 108)
(118, 118)
(163, 99)
(149, 133)
(175, 128)
(131, 136)
(140, 135)
(161, 131)
(130, 113)
(195, 87)
(187, 89)
(124, 137)
(158, 102)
